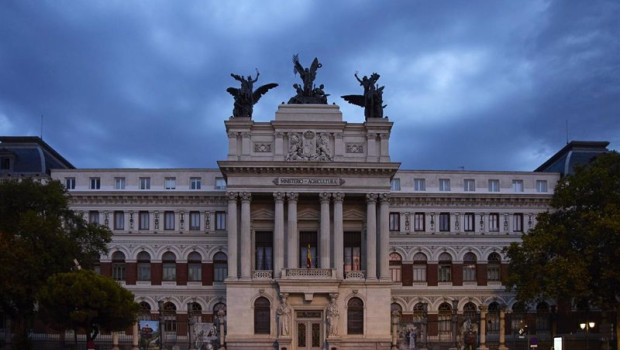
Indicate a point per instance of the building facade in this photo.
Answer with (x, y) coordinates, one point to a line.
(309, 236)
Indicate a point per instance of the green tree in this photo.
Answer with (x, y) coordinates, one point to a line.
(574, 250)
(84, 300)
(39, 236)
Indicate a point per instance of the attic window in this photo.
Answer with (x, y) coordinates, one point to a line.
(5, 163)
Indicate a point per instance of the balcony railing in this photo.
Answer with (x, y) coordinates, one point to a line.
(262, 275)
(310, 273)
(355, 275)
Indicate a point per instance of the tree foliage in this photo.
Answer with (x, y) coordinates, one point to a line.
(84, 300)
(574, 250)
(39, 236)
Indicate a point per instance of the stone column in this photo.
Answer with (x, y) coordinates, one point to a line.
(338, 235)
(231, 225)
(134, 336)
(371, 236)
(293, 235)
(325, 231)
(483, 327)
(115, 341)
(384, 236)
(278, 235)
(246, 236)
(502, 326)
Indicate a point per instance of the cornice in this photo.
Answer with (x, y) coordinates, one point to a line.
(468, 201)
(148, 198)
(308, 168)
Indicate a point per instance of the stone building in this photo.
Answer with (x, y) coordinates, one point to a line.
(310, 236)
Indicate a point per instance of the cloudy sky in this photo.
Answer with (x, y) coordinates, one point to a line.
(483, 85)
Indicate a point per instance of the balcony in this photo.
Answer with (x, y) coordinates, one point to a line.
(313, 274)
(262, 275)
(355, 275)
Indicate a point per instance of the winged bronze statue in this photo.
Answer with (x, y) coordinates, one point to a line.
(245, 96)
(308, 92)
(372, 99)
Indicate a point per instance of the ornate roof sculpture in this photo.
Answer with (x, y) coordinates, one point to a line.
(372, 99)
(308, 93)
(246, 96)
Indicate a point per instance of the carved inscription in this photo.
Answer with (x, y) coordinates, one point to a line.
(325, 181)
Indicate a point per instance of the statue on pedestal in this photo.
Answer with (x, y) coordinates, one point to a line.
(372, 99)
(308, 93)
(246, 96)
(284, 317)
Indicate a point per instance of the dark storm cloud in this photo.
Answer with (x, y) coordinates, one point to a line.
(484, 85)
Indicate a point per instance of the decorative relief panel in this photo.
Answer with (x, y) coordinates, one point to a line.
(262, 147)
(309, 146)
(354, 148)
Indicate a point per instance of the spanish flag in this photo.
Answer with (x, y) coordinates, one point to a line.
(308, 257)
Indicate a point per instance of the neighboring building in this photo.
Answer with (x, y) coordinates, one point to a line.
(574, 154)
(28, 156)
(309, 236)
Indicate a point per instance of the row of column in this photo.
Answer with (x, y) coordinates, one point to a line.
(243, 233)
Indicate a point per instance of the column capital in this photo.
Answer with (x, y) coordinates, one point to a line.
(232, 196)
(484, 308)
(245, 196)
(325, 196)
(384, 197)
(338, 196)
(279, 196)
(292, 196)
(371, 197)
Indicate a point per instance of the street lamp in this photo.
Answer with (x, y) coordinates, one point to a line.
(587, 326)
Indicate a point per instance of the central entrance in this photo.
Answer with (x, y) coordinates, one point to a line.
(309, 328)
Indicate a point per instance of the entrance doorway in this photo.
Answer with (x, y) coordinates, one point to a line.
(309, 330)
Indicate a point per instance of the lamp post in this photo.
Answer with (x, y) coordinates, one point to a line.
(587, 326)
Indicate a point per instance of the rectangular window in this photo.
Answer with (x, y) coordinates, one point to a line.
(144, 220)
(394, 221)
(395, 185)
(469, 271)
(119, 183)
(445, 272)
(144, 270)
(419, 272)
(194, 220)
(444, 184)
(220, 220)
(517, 185)
(469, 185)
(308, 250)
(352, 251)
(70, 183)
(444, 222)
(493, 185)
(5, 163)
(220, 183)
(541, 186)
(419, 184)
(470, 222)
(494, 222)
(419, 222)
(93, 217)
(119, 220)
(169, 271)
(145, 183)
(168, 220)
(264, 250)
(194, 183)
(170, 183)
(517, 223)
(95, 183)
(194, 271)
(118, 271)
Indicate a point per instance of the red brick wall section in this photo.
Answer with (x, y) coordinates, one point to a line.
(156, 273)
(407, 274)
(106, 269)
(431, 274)
(457, 274)
(503, 273)
(131, 273)
(207, 274)
(181, 274)
(433, 326)
(481, 274)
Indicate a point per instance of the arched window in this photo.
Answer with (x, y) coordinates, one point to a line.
(169, 266)
(418, 311)
(542, 317)
(118, 266)
(469, 312)
(355, 316)
(169, 314)
(396, 307)
(493, 318)
(220, 267)
(194, 267)
(419, 267)
(444, 318)
(262, 316)
(469, 267)
(145, 311)
(518, 317)
(396, 265)
(195, 312)
(494, 267)
(445, 267)
(144, 266)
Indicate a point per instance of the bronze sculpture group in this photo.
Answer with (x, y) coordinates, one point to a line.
(307, 92)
